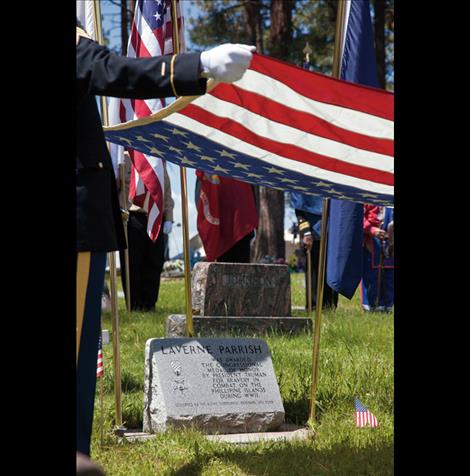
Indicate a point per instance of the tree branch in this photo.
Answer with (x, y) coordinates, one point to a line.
(118, 4)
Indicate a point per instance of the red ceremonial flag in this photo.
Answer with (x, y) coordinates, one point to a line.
(226, 213)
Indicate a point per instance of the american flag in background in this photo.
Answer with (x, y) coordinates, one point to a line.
(99, 365)
(363, 416)
(151, 35)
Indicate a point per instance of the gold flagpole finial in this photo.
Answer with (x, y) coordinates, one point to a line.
(307, 51)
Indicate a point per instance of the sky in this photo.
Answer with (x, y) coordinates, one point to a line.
(110, 13)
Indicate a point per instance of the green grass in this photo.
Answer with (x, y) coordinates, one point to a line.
(356, 358)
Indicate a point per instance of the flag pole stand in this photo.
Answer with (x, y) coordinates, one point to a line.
(112, 265)
(340, 20)
(184, 203)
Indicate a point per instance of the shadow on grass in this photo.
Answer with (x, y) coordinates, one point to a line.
(304, 460)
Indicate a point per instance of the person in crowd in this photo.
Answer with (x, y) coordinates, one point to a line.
(377, 285)
(146, 257)
(308, 209)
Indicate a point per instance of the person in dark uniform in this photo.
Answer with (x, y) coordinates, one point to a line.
(308, 210)
(146, 257)
(239, 252)
(99, 222)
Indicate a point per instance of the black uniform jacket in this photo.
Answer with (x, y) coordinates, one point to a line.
(100, 72)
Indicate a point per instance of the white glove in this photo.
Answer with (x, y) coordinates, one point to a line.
(226, 63)
(167, 226)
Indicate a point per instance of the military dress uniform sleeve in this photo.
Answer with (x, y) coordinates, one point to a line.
(100, 72)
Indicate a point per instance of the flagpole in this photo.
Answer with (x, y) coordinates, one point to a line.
(379, 275)
(112, 260)
(184, 202)
(125, 220)
(340, 17)
(309, 282)
(101, 389)
(101, 411)
(308, 51)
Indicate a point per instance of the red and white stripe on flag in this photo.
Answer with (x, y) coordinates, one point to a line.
(99, 364)
(151, 35)
(330, 129)
(366, 418)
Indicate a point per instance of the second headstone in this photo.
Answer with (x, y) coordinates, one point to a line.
(235, 289)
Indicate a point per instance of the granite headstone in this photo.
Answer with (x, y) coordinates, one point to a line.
(236, 289)
(217, 385)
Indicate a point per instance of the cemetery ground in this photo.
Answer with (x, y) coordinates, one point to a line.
(356, 359)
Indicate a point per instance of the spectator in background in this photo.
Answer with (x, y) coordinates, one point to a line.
(377, 286)
(308, 209)
(146, 257)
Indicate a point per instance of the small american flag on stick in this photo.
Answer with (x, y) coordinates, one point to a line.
(363, 416)
(99, 365)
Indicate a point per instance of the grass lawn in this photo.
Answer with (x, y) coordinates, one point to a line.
(356, 358)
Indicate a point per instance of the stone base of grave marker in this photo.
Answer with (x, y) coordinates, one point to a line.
(286, 432)
(175, 325)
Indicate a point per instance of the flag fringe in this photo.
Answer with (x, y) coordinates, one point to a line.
(175, 106)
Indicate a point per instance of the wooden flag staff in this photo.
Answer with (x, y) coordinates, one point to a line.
(125, 220)
(309, 282)
(112, 263)
(184, 201)
(340, 21)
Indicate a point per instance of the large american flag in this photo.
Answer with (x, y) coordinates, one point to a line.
(151, 35)
(282, 127)
(363, 416)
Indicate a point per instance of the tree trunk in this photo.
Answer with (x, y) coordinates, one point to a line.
(124, 35)
(132, 9)
(379, 33)
(253, 23)
(270, 234)
(280, 35)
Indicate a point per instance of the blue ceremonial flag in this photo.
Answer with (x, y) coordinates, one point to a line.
(345, 225)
